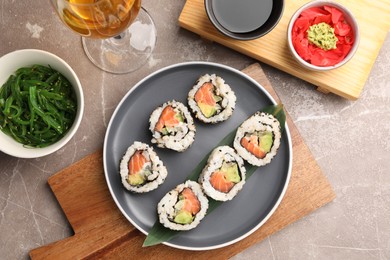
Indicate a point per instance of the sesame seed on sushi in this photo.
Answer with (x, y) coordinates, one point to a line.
(224, 174)
(183, 207)
(211, 99)
(141, 169)
(172, 126)
(257, 139)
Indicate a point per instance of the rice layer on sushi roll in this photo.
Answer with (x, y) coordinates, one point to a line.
(211, 99)
(224, 174)
(172, 126)
(183, 207)
(258, 139)
(141, 169)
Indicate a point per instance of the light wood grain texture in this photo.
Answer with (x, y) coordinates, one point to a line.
(347, 81)
(102, 232)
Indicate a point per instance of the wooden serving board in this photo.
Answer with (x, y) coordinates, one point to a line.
(101, 231)
(347, 81)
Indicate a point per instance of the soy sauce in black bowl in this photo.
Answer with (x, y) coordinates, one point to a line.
(244, 19)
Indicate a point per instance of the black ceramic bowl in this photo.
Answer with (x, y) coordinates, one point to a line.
(244, 19)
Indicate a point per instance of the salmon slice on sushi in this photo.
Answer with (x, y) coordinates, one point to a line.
(183, 207)
(211, 99)
(258, 139)
(141, 169)
(224, 174)
(172, 126)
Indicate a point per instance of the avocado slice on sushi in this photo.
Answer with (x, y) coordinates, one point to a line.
(207, 110)
(232, 174)
(183, 217)
(179, 117)
(136, 179)
(266, 141)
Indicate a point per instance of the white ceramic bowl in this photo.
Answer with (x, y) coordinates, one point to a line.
(348, 17)
(9, 63)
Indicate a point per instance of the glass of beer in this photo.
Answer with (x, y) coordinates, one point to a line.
(118, 36)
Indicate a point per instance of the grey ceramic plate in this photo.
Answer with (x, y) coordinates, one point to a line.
(233, 220)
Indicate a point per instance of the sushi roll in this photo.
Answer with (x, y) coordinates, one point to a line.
(183, 207)
(211, 99)
(141, 169)
(257, 140)
(172, 126)
(224, 174)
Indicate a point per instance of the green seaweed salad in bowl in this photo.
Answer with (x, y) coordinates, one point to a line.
(41, 103)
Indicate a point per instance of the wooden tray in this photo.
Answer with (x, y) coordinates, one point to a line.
(102, 231)
(347, 81)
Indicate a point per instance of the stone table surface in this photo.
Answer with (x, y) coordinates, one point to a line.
(349, 139)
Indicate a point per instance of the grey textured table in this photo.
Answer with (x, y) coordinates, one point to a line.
(350, 140)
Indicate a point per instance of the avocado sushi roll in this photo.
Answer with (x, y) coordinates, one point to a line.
(224, 174)
(211, 99)
(141, 169)
(183, 207)
(172, 126)
(257, 140)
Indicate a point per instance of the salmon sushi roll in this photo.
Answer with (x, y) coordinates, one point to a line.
(183, 207)
(172, 126)
(211, 99)
(257, 140)
(224, 174)
(141, 169)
